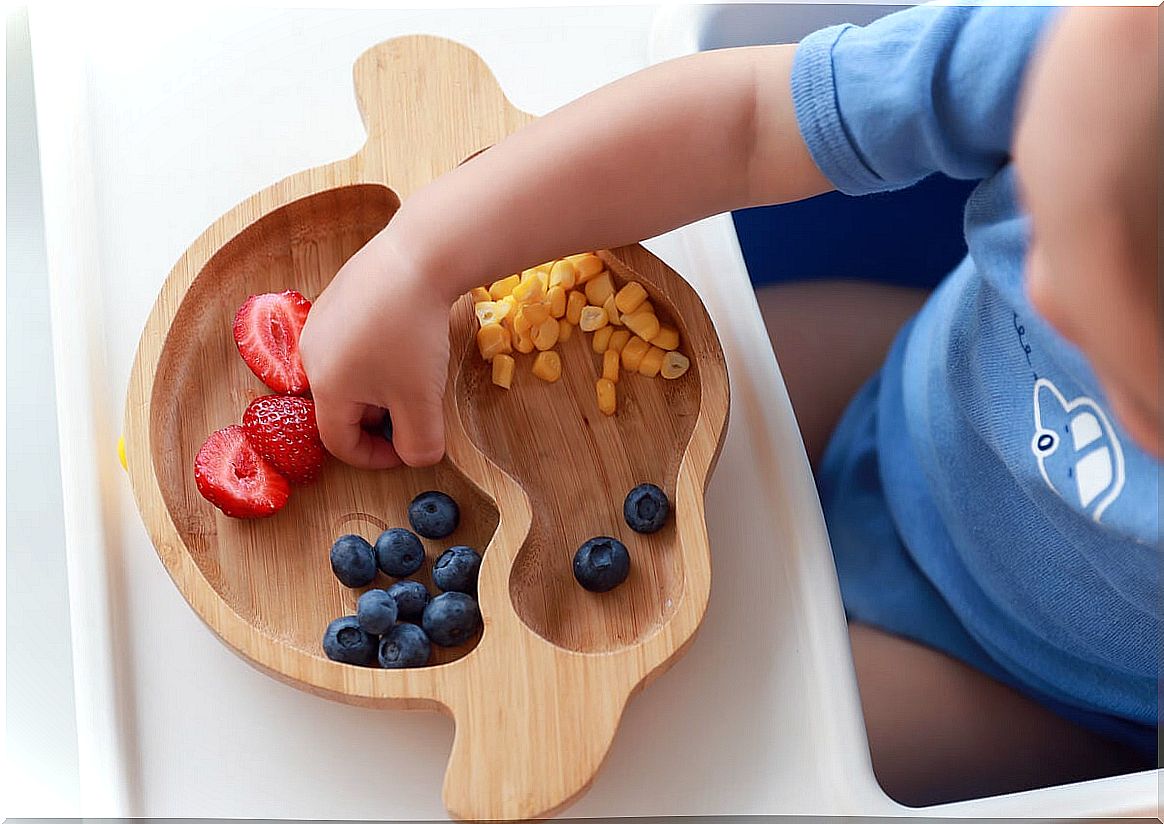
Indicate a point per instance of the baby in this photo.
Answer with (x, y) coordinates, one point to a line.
(989, 471)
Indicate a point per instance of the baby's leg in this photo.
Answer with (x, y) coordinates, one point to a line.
(938, 730)
(941, 731)
(830, 337)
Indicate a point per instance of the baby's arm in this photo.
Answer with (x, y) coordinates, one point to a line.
(658, 149)
(663, 147)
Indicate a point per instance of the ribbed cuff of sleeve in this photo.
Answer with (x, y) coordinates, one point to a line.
(814, 97)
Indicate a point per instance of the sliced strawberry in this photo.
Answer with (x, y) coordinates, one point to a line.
(237, 479)
(266, 329)
(283, 431)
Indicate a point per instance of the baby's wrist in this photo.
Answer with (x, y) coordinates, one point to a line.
(417, 267)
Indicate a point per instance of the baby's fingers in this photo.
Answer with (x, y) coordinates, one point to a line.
(418, 430)
(342, 432)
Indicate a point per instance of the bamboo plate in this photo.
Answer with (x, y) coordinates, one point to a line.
(536, 470)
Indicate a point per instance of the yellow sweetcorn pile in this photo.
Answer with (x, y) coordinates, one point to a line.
(539, 308)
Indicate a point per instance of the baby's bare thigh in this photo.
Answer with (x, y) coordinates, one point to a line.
(829, 337)
(941, 731)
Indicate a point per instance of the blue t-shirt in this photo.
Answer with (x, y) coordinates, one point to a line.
(1007, 480)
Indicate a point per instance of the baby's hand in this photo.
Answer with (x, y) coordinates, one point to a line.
(378, 338)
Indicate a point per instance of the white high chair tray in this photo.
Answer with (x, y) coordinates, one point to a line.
(760, 717)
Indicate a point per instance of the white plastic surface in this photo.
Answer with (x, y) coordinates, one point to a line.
(154, 123)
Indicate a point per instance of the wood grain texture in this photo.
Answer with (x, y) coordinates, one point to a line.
(538, 696)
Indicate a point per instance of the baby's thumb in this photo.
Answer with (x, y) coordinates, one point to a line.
(418, 430)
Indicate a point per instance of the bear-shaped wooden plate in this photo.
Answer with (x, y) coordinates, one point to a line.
(536, 469)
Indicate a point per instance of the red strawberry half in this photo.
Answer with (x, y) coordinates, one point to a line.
(237, 479)
(266, 329)
(283, 431)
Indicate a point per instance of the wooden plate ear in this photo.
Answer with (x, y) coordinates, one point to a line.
(419, 123)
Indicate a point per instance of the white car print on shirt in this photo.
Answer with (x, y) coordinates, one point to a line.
(1077, 450)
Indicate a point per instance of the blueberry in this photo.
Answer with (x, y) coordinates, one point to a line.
(601, 564)
(434, 514)
(398, 552)
(405, 645)
(386, 426)
(376, 611)
(353, 561)
(451, 619)
(347, 643)
(411, 598)
(645, 508)
(456, 569)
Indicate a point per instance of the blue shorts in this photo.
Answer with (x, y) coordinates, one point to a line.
(883, 587)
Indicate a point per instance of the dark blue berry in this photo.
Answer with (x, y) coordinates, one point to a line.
(386, 426)
(601, 564)
(347, 643)
(451, 619)
(405, 645)
(645, 508)
(353, 561)
(376, 611)
(434, 514)
(456, 569)
(411, 598)
(398, 552)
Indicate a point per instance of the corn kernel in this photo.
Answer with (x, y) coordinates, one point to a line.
(565, 329)
(612, 312)
(668, 337)
(563, 274)
(490, 311)
(503, 370)
(586, 266)
(542, 273)
(480, 293)
(593, 317)
(630, 297)
(529, 291)
(601, 340)
(632, 354)
(675, 365)
(556, 297)
(545, 334)
(521, 323)
(536, 313)
(493, 340)
(599, 289)
(575, 302)
(510, 312)
(500, 288)
(652, 362)
(548, 366)
(618, 340)
(606, 396)
(610, 365)
(523, 342)
(643, 324)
